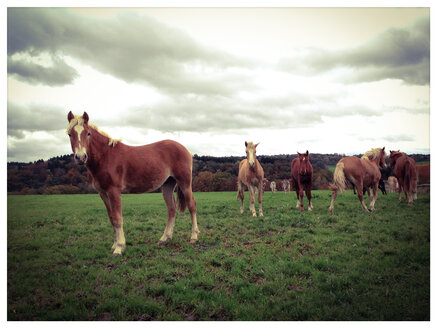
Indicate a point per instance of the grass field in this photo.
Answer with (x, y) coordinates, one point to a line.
(286, 265)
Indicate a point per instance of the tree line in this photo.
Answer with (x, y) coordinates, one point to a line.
(61, 175)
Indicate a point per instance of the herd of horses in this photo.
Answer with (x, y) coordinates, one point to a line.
(114, 168)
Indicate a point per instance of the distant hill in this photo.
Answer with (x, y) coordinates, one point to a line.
(61, 175)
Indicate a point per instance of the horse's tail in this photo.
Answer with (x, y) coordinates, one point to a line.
(339, 178)
(407, 176)
(181, 202)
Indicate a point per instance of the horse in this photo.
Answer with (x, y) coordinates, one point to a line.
(385, 173)
(251, 174)
(273, 187)
(265, 184)
(423, 173)
(392, 184)
(404, 169)
(361, 172)
(285, 186)
(302, 177)
(115, 168)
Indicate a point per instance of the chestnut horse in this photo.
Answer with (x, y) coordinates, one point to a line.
(360, 172)
(302, 177)
(114, 167)
(404, 169)
(251, 174)
(423, 173)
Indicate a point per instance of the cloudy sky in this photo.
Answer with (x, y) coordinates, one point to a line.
(327, 80)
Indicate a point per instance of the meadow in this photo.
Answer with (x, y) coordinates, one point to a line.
(286, 265)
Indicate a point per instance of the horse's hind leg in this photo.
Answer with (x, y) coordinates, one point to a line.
(374, 198)
(168, 193)
(334, 196)
(360, 196)
(188, 194)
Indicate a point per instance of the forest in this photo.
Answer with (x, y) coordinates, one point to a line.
(61, 175)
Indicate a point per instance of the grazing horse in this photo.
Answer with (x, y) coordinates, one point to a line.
(404, 169)
(286, 186)
(360, 172)
(273, 186)
(302, 177)
(115, 168)
(251, 174)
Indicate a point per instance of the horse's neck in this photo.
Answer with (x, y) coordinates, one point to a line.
(98, 147)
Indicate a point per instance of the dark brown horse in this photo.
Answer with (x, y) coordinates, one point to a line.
(114, 167)
(404, 169)
(251, 174)
(360, 172)
(302, 178)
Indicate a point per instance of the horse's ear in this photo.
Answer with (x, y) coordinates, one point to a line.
(245, 143)
(85, 117)
(70, 116)
(307, 153)
(256, 144)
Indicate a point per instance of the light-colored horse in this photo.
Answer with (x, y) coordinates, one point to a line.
(273, 186)
(392, 183)
(115, 168)
(360, 172)
(250, 174)
(286, 186)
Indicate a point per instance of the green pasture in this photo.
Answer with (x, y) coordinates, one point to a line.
(286, 265)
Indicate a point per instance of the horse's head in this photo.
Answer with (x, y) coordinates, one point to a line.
(382, 156)
(79, 133)
(394, 155)
(304, 163)
(251, 153)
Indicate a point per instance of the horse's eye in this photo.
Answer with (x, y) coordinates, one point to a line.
(89, 133)
(69, 135)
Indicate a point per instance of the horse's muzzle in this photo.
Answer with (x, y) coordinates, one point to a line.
(81, 159)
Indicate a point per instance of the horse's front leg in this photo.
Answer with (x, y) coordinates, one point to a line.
(308, 194)
(114, 197)
(107, 203)
(301, 197)
(252, 200)
(260, 199)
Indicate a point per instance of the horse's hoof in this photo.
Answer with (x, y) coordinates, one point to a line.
(260, 214)
(310, 209)
(193, 241)
(254, 214)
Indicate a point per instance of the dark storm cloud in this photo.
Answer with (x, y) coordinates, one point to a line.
(58, 74)
(130, 47)
(398, 53)
(34, 118)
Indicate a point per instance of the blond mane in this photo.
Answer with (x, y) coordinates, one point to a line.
(78, 120)
(372, 154)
